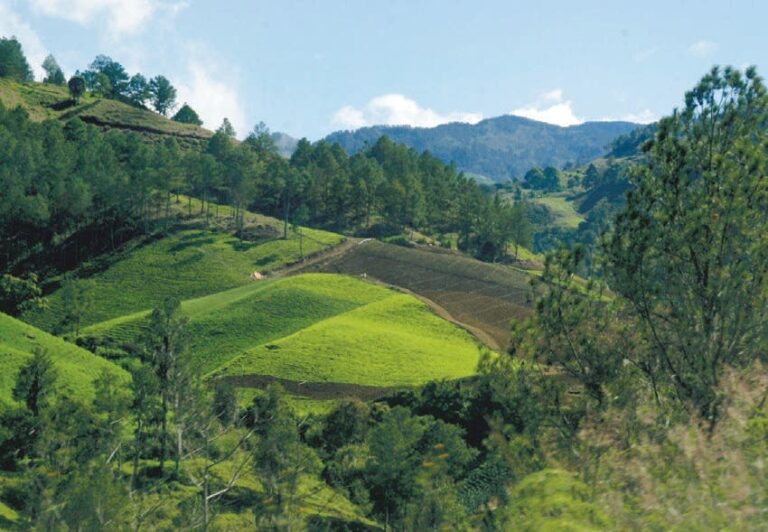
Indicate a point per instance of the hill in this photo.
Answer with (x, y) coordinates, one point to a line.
(484, 298)
(314, 328)
(77, 367)
(44, 102)
(186, 264)
(499, 148)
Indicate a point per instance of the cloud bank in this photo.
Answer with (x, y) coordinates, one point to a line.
(551, 108)
(396, 110)
(122, 16)
(211, 93)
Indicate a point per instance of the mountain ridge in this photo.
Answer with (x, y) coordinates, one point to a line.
(500, 148)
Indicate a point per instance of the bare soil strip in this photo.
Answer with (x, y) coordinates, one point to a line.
(314, 390)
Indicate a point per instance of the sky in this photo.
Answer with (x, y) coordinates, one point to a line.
(308, 68)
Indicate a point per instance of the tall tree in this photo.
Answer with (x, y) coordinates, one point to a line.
(53, 72)
(13, 63)
(34, 383)
(138, 90)
(163, 95)
(165, 343)
(689, 248)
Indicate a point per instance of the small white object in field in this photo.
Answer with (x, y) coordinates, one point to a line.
(256, 276)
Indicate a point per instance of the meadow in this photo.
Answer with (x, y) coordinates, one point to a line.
(77, 368)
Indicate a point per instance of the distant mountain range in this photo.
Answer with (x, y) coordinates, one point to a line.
(500, 148)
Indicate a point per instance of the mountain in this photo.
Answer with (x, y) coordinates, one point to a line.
(500, 148)
(285, 143)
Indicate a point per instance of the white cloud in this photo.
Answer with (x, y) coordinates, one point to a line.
(703, 48)
(552, 108)
(122, 16)
(12, 24)
(396, 110)
(213, 95)
(646, 116)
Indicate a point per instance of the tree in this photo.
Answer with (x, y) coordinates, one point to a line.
(689, 248)
(18, 295)
(187, 115)
(34, 383)
(77, 299)
(53, 72)
(226, 128)
(138, 91)
(163, 95)
(13, 63)
(113, 82)
(165, 343)
(520, 226)
(76, 87)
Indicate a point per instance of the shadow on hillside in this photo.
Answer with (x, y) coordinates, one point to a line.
(192, 241)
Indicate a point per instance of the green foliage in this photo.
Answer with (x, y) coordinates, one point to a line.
(53, 73)
(187, 115)
(13, 63)
(20, 295)
(689, 249)
(77, 368)
(76, 86)
(34, 383)
(552, 499)
(162, 95)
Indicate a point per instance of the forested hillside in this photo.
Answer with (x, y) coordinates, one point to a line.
(501, 148)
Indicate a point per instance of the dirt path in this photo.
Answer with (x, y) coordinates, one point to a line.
(317, 259)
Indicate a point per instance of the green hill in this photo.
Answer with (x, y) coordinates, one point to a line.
(317, 328)
(186, 264)
(77, 367)
(484, 298)
(43, 101)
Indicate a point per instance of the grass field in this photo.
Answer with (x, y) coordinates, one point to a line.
(186, 264)
(486, 297)
(393, 342)
(563, 211)
(77, 367)
(318, 328)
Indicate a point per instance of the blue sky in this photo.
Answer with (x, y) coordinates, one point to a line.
(311, 67)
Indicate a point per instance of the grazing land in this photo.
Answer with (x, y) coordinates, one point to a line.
(77, 367)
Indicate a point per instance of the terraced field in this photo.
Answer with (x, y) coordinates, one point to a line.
(315, 328)
(77, 368)
(483, 297)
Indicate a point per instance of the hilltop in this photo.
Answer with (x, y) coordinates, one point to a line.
(43, 101)
(498, 148)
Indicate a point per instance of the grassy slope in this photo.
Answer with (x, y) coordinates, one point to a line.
(393, 342)
(43, 101)
(484, 296)
(563, 211)
(187, 264)
(77, 368)
(317, 327)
